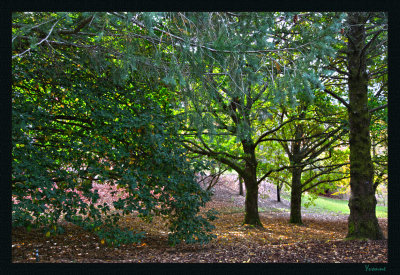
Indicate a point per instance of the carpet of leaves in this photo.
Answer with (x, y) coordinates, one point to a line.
(316, 241)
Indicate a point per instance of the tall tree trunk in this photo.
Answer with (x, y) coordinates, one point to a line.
(295, 160)
(278, 192)
(295, 198)
(240, 186)
(362, 221)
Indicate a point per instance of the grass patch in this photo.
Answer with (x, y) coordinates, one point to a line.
(341, 206)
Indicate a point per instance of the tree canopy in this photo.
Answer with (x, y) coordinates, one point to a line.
(140, 102)
(73, 127)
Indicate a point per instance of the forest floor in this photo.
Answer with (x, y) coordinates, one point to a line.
(319, 240)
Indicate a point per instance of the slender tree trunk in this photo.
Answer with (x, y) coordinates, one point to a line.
(240, 186)
(362, 222)
(295, 198)
(278, 192)
(295, 159)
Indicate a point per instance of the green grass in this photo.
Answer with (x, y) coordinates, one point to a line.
(341, 206)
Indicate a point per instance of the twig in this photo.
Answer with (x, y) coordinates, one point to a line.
(37, 44)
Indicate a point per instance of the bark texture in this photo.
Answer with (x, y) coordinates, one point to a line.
(278, 193)
(362, 221)
(295, 198)
(296, 158)
(251, 203)
(250, 180)
(241, 186)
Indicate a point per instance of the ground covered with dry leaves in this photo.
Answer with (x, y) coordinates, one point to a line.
(319, 240)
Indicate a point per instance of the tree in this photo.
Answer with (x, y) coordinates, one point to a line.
(272, 156)
(310, 145)
(362, 66)
(230, 78)
(80, 116)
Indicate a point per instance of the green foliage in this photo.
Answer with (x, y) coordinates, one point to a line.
(309, 200)
(74, 129)
(236, 55)
(115, 236)
(108, 98)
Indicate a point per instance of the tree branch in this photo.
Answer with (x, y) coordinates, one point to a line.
(331, 66)
(378, 108)
(37, 44)
(324, 172)
(299, 139)
(313, 150)
(226, 161)
(371, 41)
(80, 26)
(66, 117)
(215, 50)
(338, 98)
(318, 183)
(272, 171)
(272, 131)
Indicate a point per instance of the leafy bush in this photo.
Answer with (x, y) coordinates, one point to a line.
(73, 129)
